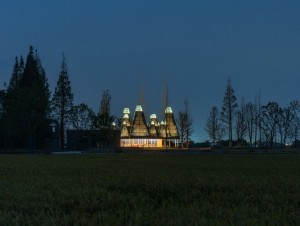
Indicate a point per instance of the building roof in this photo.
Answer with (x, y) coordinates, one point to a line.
(125, 130)
(139, 126)
(171, 123)
(126, 111)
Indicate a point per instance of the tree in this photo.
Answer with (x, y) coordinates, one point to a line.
(62, 101)
(241, 125)
(2, 99)
(12, 106)
(104, 121)
(105, 103)
(285, 124)
(214, 127)
(164, 128)
(185, 124)
(229, 109)
(16, 76)
(34, 86)
(82, 117)
(258, 122)
(27, 107)
(181, 121)
(250, 118)
(269, 121)
(295, 107)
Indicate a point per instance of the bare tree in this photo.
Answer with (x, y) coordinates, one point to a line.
(165, 103)
(269, 121)
(214, 127)
(181, 122)
(295, 106)
(250, 118)
(285, 121)
(229, 109)
(82, 117)
(241, 125)
(185, 124)
(257, 128)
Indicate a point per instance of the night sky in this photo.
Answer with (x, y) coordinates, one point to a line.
(131, 45)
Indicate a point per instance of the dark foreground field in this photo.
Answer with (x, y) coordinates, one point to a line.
(132, 189)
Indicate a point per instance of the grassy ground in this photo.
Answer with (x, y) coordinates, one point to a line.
(132, 189)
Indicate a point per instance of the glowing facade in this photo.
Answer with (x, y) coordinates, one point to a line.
(139, 133)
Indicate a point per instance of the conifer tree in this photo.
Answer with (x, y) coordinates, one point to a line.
(229, 109)
(26, 105)
(62, 101)
(2, 99)
(35, 103)
(18, 70)
(12, 107)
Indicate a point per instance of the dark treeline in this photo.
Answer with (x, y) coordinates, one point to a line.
(28, 110)
(28, 113)
(253, 124)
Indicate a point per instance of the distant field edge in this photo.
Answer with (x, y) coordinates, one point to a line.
(157, 151)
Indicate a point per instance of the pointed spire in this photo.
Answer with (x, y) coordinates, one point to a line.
(139, 125)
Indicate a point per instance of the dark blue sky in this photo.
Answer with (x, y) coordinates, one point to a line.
(124, 45)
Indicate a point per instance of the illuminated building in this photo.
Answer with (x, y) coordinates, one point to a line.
(137, 133)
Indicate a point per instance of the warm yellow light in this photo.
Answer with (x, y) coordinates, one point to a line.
(138, 108)
(153, 116)
(169, 110)
(126, 111)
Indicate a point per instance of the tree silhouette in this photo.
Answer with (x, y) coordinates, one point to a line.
(250, 118)
(214, 127)
(185, 124)
(62, 101)
(241, 124)
(295, 107)
(229, 109)
(104, 120)
(12, 106)
(270, 117)
(82, 117)
(27, 107)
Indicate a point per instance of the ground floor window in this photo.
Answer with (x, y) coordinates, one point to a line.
(125, 142)
(153, 142)
(141, 143)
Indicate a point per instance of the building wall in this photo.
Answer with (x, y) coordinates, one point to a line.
(85, 139)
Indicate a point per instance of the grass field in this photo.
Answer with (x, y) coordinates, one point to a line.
(132, 189)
